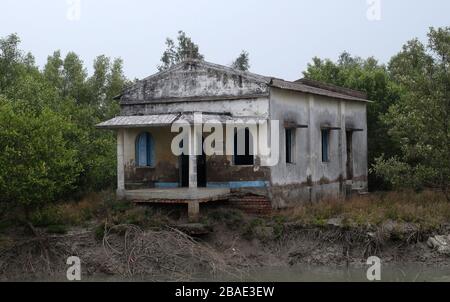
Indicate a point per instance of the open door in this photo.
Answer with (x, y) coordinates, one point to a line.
(184, 171)
(201, 170)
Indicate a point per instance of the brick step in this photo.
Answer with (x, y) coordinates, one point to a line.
(252, 205)
(249, 200)
(249, 206)
(257, 213)
(255, 210)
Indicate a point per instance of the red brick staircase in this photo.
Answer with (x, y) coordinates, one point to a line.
(251, 204)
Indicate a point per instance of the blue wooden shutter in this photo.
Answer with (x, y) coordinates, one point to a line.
(142, 150)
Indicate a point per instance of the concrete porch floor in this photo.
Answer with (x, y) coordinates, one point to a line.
(190, 196)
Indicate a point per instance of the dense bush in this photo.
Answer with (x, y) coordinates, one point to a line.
(37, 162)
(49, 147)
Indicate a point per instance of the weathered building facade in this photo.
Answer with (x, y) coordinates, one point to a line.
(322, 137)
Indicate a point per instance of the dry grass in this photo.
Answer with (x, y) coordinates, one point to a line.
(97, 208)
(162, 255)
(428, 209)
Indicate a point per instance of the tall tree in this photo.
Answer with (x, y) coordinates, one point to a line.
(116, 82)
(97, 82)
(54, 70)
(74, 77)
(11, 61)
(177, 52)
(242, 62)
(420, 121)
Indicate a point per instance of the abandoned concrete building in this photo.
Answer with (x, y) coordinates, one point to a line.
(322, 138)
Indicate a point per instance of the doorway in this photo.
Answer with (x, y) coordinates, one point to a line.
(201, 170)
(184, 171)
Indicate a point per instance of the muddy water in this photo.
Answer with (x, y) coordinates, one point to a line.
(391, 273)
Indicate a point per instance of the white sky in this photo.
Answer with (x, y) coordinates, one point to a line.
(281, 36)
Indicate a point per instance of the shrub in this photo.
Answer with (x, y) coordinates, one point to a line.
(57, 229)
(36, 163)
(232, 218)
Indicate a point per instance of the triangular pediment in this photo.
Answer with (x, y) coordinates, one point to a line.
(196, 80)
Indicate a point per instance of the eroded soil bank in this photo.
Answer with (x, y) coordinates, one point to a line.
(224, 247)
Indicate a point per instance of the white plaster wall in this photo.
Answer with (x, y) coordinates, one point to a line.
(295, 106)
(240, 107)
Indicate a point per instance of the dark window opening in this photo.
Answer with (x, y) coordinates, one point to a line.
(349, 139)
(247, 158)
(289, 145)
(201, 168)
(325, 145)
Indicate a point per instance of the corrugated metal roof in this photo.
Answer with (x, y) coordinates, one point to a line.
(295, 86)
(139, 121)
(169, 119)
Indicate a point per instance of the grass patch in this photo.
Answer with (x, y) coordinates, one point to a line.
(428, 209)
(57, 229)
(96, 207)
(232, 218)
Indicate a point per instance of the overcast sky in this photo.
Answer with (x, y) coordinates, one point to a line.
(281, 36)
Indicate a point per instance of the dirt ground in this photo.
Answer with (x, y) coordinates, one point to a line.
(226, 247)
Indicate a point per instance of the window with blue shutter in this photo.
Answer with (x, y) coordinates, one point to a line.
(144, 150)
(325, 145)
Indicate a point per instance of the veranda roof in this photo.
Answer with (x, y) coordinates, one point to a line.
(156, 120)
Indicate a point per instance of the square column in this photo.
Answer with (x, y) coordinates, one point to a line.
(193, 210)
(192, 171)
(120, 164)
(195, 148)
(312, 155)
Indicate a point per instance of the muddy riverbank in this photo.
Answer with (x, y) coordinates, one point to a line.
(258, 250)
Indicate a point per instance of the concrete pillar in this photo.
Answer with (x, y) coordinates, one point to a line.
(193, 210)
(192, 171)
(342, 148)
(193, 146)
(120, 164)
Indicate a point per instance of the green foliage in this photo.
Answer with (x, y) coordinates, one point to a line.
(50, 148)
(99, 231)
(242, 62)
(176, 53)
(232, 218)
(57, 229)
(47, 216)
(37, 163)
(420, 121)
